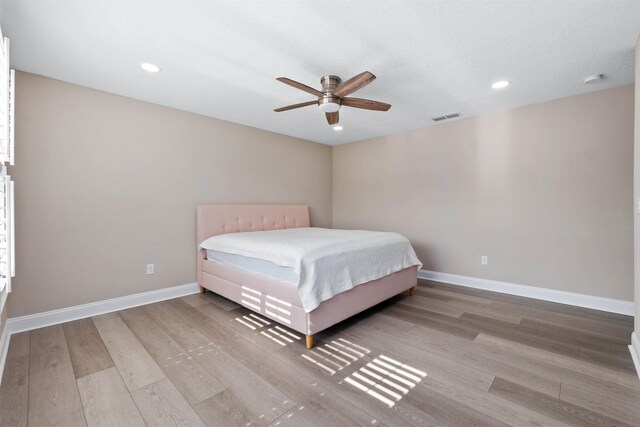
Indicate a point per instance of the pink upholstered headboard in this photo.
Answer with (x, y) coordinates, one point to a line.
(212, 220)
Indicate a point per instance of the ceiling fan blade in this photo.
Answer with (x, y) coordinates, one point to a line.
(333, 118)
(354, 83)
(366, 104)
(300, 86)
(294, 106)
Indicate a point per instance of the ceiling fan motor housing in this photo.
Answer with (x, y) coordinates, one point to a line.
(329, 103)
(329, 83)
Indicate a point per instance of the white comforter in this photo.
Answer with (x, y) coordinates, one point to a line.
(328, 261)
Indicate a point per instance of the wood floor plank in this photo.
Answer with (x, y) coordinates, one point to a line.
(246, 323)
(450, 373)
(106, 400)
(463, 352)
(625, 412)
(225, 409)
(180, 331)
(609, 344)
(220, 301)
(495, 406)
(135, 365)
(292, 382)
(19, 345)
(547, 342)
(161, 404)
(189, 377)
(176, 318)
(460, 357)
(621, 320)
(550, 308)
(208, 297)
(14, 391)
(438, 408)
(431, 320)
(302, 415)
(591, 325)
(425, 303)
(53, 393)
(187, 333)
(449, 411)
(451, 295)
(397, 415)
(313, 397)
(196, 299)
(469, 324)
(622, 386)
(312, 414)
(384, 323)
(469, 305)
(468, 385)
(88, 353)
(555, 408)
(452, 352)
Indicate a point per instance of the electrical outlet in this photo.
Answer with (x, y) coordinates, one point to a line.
(484, 260)
(151, 268)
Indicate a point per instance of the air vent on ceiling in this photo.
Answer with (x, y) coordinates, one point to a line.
(446, 116)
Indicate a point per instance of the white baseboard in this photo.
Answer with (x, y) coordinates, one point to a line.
(570, 298)
(54, 317)
(634, 348)
(4, 347)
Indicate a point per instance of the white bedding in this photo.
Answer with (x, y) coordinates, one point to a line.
(327, 261)
(256, 266)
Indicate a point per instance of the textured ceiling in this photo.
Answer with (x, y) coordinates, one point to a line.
(221, 58)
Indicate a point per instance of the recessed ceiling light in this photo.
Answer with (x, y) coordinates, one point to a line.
(337, 127)
(152, 68)
(500, 84)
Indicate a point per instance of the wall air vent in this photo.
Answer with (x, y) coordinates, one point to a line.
(446, 117)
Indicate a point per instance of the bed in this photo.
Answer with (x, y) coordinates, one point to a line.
(274, 296)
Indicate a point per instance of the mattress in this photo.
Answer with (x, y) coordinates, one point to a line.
(326, 261)
(256, 266)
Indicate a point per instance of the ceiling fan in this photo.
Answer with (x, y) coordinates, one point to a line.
(334, 94)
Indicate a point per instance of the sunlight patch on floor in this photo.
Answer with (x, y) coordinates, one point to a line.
(276, 333)
(386, 379)
(335, 355)
(280, 336)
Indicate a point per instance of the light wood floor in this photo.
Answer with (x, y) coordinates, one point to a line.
(446, 356)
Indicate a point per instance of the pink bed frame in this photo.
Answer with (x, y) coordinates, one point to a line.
(277, 300)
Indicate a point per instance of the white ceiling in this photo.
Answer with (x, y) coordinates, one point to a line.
(221, 58)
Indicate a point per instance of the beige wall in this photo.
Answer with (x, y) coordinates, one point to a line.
(636, 181)
(106, 184)
(544, 190)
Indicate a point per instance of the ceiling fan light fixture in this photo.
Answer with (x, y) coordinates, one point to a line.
(328, 106)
